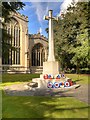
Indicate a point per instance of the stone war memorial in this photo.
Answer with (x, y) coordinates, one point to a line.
(51, 78)
(44, 72)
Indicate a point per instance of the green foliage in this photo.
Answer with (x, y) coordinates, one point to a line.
(8, 7)
(71, 36)
(81, 52)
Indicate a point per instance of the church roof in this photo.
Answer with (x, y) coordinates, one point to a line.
(21, 16)
(38, 36)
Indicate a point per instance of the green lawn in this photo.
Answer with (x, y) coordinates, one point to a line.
(41, 107)
(10, 79)
(80, 78)
(18, 77)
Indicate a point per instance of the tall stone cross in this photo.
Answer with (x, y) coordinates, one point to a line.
(51, 56)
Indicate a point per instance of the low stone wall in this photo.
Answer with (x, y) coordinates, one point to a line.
(36, 69)
(13, 69)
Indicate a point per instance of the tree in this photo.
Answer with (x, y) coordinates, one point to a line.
(8, 7)
(71, 36)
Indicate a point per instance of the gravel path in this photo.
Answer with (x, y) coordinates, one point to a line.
(80, 93)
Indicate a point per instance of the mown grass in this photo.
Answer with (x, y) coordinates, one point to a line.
(18, 77)
(41, 107)
(80, 78)
(10, 79)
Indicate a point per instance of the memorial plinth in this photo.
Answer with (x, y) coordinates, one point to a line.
(51, 67)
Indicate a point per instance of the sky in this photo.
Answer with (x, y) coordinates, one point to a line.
(36, 11)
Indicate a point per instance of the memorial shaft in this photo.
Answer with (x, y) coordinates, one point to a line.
(51, 56)
(51, 66)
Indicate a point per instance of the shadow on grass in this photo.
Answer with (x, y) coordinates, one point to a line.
(45, 119)
(35, 93)
(73, 108)
(51, 93)
(42, 106)
(78, 80)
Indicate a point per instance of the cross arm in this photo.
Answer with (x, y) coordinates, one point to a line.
(53, 18)
(46, 17)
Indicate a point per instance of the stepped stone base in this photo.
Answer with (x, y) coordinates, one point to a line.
(42, 83)
(50, 67)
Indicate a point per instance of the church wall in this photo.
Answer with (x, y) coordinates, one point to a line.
(23, 23)
(37, 39)
(27, 42)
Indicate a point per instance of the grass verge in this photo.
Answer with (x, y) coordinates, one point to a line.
(80, 78)
(18, 77)
(43, 107)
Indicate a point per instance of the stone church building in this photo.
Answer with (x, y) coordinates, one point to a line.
(31, 49)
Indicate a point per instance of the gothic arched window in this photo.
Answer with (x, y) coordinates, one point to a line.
(13, 56)
(7, 42)
(16, 44)
(38, 55)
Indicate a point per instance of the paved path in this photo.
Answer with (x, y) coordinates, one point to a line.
(80, 93)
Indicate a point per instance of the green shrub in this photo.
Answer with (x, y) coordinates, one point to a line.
(84, 71)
